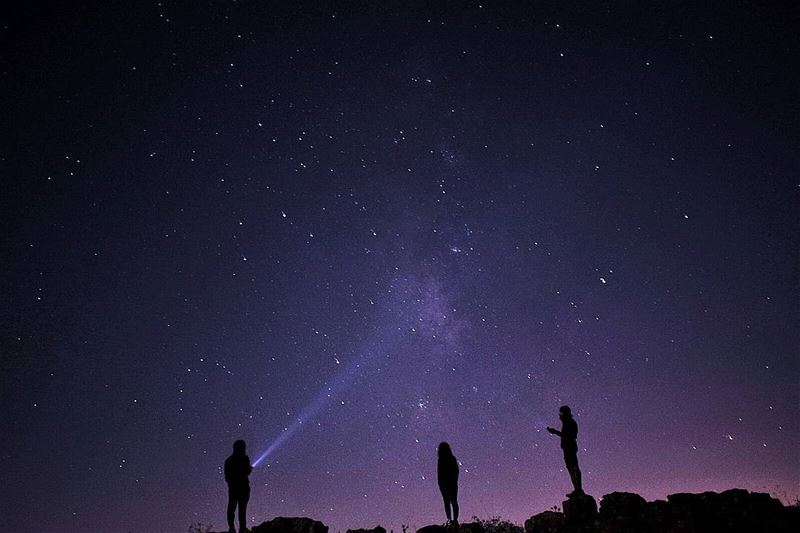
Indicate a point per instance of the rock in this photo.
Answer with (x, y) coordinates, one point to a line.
(546, 522)
(580, 514)
(622, 512)
(471, 527)
(657, 517)
(376, 529)
(493, 525)
(732, 511)
(290, 525)
(433, 529)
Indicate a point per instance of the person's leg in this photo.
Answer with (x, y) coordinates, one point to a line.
(244, 497)
(576, 479)
(446, 499)
(571, 461)
(231, 507)
(454, 502)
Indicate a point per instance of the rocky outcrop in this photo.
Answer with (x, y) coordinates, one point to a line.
(546, 522)
(622, 512)
(732, 511)
(469, 527)
(735, 510)
(377, 529)
(433, 529)
(291, 525)
(580, 514)
(494, 525)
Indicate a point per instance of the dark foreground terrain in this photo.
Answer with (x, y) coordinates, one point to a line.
(732, 511)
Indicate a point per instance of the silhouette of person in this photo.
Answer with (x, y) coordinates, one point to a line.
(237, 468)
(569, 444)
(447, 475)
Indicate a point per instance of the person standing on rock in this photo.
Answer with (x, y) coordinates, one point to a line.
(237, 470)
(569, 444)
(447, 475)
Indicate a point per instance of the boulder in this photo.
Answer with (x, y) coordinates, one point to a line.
(471, 527)
(290, 525)
(546, 522)
(732, 511)
(657, 517)
(434, 528)
(580, 514)
(622, 512)
(376, 529)
(494, 525)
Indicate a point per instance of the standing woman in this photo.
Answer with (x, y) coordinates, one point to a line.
(447, 474)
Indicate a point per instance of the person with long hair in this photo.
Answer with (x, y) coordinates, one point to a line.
(237, 470)
(447, 475)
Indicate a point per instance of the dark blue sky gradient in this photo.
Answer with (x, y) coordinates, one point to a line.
(399, 223)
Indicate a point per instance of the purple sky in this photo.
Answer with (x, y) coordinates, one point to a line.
(347, 233)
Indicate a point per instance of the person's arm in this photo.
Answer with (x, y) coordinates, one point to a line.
(554, 431)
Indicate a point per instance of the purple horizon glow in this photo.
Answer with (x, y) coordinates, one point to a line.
(345, 234)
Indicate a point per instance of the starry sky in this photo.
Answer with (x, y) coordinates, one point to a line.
(345, 232)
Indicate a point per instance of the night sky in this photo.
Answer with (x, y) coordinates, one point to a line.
(347, 232)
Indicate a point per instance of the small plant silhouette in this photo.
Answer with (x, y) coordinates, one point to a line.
(496, 524)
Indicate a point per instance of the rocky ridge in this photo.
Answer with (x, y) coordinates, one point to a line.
(731, 511)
